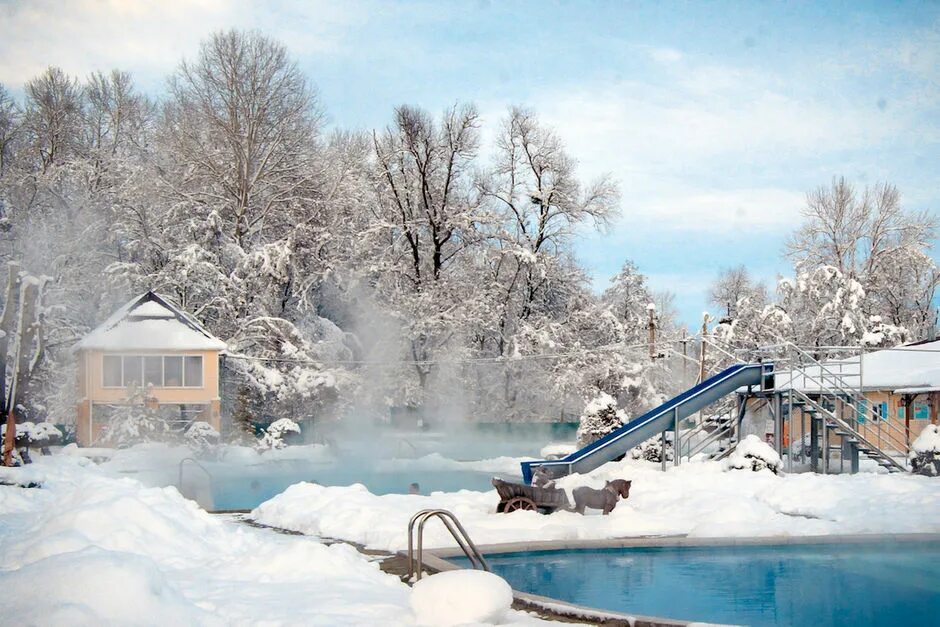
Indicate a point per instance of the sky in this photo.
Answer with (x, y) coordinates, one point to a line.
(715, 118)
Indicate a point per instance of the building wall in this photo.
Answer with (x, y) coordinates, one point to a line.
(91, 391)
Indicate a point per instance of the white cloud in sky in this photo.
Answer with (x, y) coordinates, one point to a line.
(148, 37)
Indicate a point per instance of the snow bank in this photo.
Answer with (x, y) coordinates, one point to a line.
(90, 549)
(97, 587)
(752, 453)
(697, 499)
(461, 597)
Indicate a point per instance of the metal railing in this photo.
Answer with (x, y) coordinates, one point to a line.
(191, 460)
(416, 558)
(849, 431)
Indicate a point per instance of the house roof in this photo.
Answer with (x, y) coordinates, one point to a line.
(901, 369)
(150, 322)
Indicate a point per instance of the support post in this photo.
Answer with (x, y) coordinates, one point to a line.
(676, 448)
(813, 443)
(662, 453)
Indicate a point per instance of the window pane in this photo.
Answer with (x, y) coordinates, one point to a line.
(153, 371)
(193, 372)
(133, 367)
(173, 371)
(111, 371)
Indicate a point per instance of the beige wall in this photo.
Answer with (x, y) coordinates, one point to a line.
(91, 391)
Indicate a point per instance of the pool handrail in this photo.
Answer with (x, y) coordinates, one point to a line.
(192, 460)
(460, 535)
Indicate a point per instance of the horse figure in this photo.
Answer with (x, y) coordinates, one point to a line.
(604, 499)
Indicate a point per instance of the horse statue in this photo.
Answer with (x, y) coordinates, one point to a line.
(604, 499)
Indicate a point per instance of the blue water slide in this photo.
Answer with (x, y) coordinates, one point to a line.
(654, 422)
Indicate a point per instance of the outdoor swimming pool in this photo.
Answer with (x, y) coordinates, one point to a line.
(796, 584)
(251, 487)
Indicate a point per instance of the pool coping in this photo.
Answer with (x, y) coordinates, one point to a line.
(436, 560)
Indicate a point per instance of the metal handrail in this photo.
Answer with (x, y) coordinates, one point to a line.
(846, 427)
(416, 559)
(854, 396)
(179, 482)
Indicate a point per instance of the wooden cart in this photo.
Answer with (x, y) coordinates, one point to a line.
(516, 496)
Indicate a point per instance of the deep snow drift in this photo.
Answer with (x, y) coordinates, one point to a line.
(699, 499)
(90, 549)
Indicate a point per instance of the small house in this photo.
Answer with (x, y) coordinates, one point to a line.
(147, 351)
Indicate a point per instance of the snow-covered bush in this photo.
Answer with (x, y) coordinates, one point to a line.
(278, 434)
(201, 437)
(600, 417)
(135, 423)
(753, 454)
(925, 452)
(652, 450)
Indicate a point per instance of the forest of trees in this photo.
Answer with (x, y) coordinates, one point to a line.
(409, 266)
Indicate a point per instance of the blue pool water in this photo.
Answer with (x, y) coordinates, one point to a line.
(820, 585)
(248, 489)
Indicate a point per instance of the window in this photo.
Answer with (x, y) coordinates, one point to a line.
(153, 371)
(111, 371)
(192, 373)
(170, 371)
(133, 370)
(173, 371)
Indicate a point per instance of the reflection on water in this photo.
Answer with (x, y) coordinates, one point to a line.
(861, 584)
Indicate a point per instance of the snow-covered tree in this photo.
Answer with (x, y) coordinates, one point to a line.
(279, 434)
(600, 417)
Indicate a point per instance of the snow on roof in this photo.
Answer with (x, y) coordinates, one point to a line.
(151, 309)
(150, 322)
(914, 366)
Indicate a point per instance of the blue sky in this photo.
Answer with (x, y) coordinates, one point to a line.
(715, 118)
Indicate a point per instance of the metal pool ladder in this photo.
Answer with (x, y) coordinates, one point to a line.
(179, 481)
(416, 558)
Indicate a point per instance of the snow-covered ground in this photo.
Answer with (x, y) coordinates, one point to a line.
(699, 499)
(89, 548)
(93, 547)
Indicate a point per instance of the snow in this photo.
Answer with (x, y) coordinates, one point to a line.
(912, 366)
(150, 334)
(752, 453)
(557, 450)
(698, 499)
(37, 433)
(461, 597)
(147, 327)
(928, 441)
(151, 309)
(90, 549)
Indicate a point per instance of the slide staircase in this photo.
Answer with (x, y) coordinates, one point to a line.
(655, 422)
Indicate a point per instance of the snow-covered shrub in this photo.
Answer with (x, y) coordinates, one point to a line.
(752, 453)
(461, 597)
(600, 417)
(133, 424)
(652, 450)
(201, 437)
(278, 434)
(925, 452)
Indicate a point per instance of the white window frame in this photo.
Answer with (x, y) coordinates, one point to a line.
(162, 386)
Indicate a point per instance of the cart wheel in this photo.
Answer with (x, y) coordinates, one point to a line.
(519, 502)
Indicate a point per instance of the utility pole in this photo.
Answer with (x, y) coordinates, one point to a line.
(651, 327)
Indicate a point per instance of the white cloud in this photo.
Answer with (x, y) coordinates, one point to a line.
(147, 37)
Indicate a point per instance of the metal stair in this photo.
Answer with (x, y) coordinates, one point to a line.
(840, 387)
